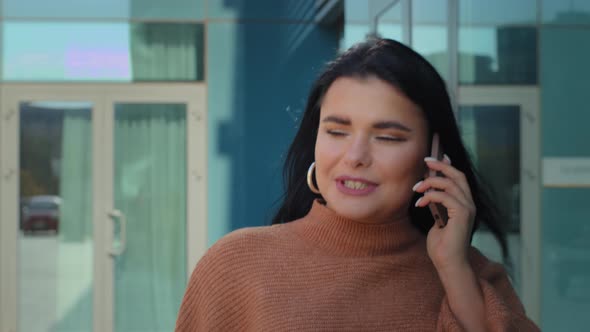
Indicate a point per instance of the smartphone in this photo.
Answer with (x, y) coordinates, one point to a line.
(439, 212)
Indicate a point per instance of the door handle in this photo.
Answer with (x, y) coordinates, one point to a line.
(117, 251)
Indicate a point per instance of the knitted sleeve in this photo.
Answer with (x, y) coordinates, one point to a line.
(214, 299)
(504, 311)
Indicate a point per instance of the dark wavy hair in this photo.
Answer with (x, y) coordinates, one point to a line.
(408, 71)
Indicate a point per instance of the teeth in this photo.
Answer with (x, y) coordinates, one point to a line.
(355, 185)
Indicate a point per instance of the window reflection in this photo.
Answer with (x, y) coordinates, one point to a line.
(68, 51)
(430, 40)
(391, 31)
(109, 9)
(356, 11)
(566, 12)
(495, 45)
(492, 137)
(86, 51)
(167, 52)
(498, 55)
(354, 33)
(388, 11)
(389, 16)
(56, 240)
(429, 12)
(497, 12)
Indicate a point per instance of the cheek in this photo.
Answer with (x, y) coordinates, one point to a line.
(406, 168)
(323, 159)
(326, 152)
(327, 156)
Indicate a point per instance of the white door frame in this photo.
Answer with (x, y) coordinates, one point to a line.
(103, 97)
(527, 97)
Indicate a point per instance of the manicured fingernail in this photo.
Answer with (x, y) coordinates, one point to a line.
(447, 158)
(417, 185)
(418, 201)
(430, 159)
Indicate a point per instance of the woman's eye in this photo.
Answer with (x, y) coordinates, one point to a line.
(390, 138)
(335, 132)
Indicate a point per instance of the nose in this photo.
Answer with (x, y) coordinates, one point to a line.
(358, 153)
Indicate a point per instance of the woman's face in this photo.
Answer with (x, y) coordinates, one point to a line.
(370, 150)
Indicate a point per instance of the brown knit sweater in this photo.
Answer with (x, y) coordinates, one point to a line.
(326, 273)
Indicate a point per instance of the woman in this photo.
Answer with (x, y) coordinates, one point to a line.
(354, 246)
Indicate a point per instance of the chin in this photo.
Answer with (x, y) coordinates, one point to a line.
(362, 213)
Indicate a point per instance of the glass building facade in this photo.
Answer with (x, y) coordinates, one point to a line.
(134, 134)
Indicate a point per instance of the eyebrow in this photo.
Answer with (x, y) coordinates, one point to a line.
(377, 125)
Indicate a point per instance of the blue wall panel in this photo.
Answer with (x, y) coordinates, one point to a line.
(565, 82)
(565, 265)
(258, 79)
(565, 78)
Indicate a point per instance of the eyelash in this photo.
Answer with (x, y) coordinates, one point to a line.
(390, 139)
(335, 132)
(382, 138)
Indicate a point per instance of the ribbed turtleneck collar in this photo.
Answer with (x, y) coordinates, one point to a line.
(340, 235)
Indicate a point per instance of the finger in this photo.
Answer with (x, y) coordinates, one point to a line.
(450, 172)
(446, 159)
(441, 197)
(443, 184)
(449, 202)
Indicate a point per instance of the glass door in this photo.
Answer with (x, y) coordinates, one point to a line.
(500, 127)
(103, 207)
(49, 239)
(157, 168)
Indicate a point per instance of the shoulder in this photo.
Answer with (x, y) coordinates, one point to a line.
(485, 267)
(496, 283)
(222, 280)
(220, 286)
(236, 251)
(244, 240)
(480, 260)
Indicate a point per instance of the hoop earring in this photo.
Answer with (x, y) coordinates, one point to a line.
(310, 184)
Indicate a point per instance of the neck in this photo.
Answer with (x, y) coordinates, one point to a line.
(402, 217)
(344, 236)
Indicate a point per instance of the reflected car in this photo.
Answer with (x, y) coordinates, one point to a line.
(41, 213)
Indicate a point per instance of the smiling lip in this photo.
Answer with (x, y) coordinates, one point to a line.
(356, 186)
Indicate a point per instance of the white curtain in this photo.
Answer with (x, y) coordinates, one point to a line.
(76, 176)
(167, 52)
(150, 189)
(150, 180)
(75, 249)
